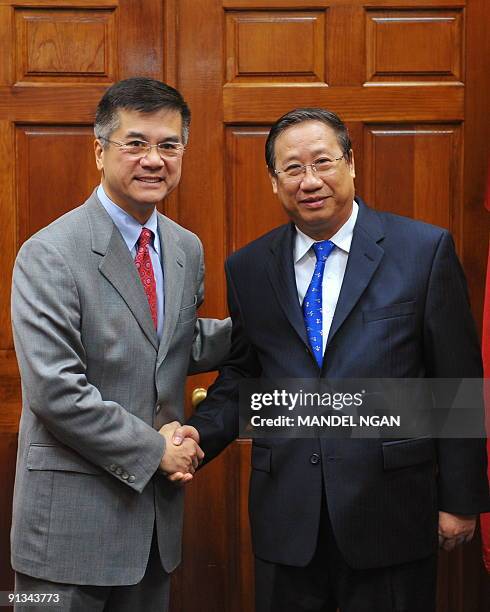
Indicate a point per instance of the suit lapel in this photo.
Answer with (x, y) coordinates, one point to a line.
(280, 268)
(364, 258)
(117, 266)
(173, 278)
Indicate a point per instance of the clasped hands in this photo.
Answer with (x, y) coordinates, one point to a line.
(182, 454)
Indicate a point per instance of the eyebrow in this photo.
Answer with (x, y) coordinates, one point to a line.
(321, 150)
(132, 134)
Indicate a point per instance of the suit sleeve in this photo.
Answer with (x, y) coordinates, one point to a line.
(452, 351)
(211, 344)
(46, 318)
(217, 417)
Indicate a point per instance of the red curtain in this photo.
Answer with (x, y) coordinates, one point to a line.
(485, 518)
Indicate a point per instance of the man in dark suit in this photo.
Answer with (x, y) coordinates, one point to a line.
(348, 523)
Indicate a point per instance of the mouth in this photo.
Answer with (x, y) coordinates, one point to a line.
(313, 202)
(150, 180)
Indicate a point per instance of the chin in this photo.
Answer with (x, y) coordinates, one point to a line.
(317, 221)
(150, 199)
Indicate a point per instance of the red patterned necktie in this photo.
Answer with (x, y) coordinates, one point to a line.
(145, 269)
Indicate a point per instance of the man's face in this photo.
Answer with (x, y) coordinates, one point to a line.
(138, 184)
(318, 203)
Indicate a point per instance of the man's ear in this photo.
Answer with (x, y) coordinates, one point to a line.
(273, 179)
(352, 167)
(99, 155)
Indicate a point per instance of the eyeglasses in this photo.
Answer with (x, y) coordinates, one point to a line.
(321, 167)
(140, 148)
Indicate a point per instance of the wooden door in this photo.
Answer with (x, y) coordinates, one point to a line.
(408, 76)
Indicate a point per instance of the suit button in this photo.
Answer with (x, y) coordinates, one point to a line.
(131, 478)
(158, 407)
(113, 467)
(125, 476)
(315, 458)
(119, 471)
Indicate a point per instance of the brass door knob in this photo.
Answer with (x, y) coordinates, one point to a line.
(198, 395)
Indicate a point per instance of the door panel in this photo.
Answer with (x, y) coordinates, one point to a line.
(71, 151)
(247, 181)
(413, 185)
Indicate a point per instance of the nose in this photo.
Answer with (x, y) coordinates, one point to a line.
(310, 180)
(152, 159)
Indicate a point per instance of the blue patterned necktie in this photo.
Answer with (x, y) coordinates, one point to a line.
(312, 304)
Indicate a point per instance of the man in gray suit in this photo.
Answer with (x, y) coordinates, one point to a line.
(104, 314)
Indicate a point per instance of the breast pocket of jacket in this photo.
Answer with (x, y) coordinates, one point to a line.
(402, 309)
(393, 335)
(188, 313)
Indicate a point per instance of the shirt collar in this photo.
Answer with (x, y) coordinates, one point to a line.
(128, 226)
(342, 239)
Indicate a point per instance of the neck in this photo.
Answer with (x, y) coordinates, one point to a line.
(140, 211)
(141, 216)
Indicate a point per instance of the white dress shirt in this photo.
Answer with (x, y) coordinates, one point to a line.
(304, 266)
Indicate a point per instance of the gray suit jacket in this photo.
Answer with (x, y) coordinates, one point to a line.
(96, 386)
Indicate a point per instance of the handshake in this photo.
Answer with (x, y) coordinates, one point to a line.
(182, 453)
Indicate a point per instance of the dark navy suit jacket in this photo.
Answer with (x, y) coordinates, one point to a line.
(403, 311)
